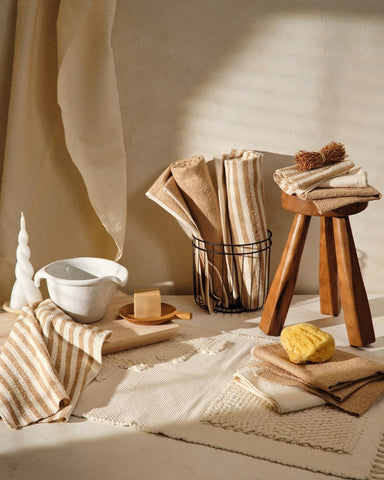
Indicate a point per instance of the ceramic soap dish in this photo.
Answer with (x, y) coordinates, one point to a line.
(167, 313)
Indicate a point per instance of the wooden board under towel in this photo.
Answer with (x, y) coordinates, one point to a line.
(125, 334)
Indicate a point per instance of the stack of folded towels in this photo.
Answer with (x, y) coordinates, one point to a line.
(327, 178)
(306, 370)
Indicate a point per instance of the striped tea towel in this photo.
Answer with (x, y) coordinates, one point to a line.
(246, 210)
(46, 362)
(291, 181)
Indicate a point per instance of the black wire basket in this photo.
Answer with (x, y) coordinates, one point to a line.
(231, 278)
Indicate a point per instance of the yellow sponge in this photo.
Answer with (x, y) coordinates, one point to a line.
(306, 343)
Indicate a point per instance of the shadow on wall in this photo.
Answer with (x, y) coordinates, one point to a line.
(165, 52)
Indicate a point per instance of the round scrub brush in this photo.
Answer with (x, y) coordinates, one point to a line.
(331, 153)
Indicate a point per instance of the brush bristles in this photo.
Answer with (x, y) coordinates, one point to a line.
(331, 153)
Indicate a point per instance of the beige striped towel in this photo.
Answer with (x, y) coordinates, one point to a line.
(46, 362)
(291, 181)
(246, 211)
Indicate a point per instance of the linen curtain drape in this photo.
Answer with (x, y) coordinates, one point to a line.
(64, 164)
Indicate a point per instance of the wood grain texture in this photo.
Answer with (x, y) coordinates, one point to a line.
(357, 314)
(328, 283)
(283, 285)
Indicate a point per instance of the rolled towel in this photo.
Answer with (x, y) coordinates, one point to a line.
(291, 181)
(195, 183)
(186, 191)
(247, 220)
(281, 398)
(227, 237)
(46, 362)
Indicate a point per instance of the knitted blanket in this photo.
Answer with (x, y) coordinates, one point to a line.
(184, 389)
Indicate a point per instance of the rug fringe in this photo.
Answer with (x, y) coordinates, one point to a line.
(377, 470)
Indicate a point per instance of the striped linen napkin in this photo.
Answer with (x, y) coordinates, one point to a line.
(246, 211)
(291, 181)
(46, 362)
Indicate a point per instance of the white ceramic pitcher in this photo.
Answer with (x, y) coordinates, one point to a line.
(84, 286)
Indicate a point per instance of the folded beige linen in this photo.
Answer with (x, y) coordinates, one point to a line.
(291, 181)
(327, 199)
(247, 220)
(279, 397)
(348, 381)
(356, 177)
(46, 362)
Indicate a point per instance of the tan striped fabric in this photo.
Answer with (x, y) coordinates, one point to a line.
(291, 181)
(246, 211)
(45, 364)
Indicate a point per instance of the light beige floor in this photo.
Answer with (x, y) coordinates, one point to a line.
(88, 450)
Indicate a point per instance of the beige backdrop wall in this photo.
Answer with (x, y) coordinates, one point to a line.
(201, 77)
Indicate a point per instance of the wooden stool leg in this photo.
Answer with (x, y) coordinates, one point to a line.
(281, 291)
(357, 314)
(328, 286)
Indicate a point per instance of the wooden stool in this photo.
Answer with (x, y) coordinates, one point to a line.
(338, 259)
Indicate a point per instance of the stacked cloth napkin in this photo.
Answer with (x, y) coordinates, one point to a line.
(328, 187)
(46, 362)
(347, 381)
(221, 203)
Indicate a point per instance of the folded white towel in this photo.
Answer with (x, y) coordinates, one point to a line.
(281, 398)
(356, 177)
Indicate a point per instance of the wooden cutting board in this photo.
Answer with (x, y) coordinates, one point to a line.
(125, 334)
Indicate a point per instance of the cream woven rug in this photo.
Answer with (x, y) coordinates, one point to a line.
(183, 389)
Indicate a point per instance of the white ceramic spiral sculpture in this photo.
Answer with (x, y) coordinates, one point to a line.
(24, 290)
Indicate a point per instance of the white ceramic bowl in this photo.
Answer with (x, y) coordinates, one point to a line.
(84, 286)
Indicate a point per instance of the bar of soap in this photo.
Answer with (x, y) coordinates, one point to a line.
(146, 303)
(304, 343)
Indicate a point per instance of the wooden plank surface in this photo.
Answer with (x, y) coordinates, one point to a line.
(125, 334)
